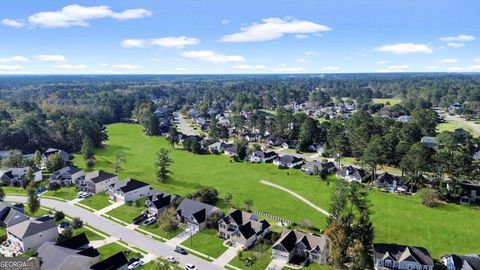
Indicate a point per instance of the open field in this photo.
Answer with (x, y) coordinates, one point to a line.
(206, 242)
(66, 193)
(392, 101)
(261, 253)
(97, 201)
(396, 218)
(450, 125)
(127, 212)
(157, 231)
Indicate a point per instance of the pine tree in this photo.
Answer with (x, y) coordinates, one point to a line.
(163, 165)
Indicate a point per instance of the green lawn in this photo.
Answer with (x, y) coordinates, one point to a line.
(392, 101)
(66, 193)
(92, 236)
(262, 253)
(14, 190)
(452, 125)
(157, 231)
(97, 201)
(127, 212)
(39, 213)
(206, 242)
(109, 250)
(396, 219)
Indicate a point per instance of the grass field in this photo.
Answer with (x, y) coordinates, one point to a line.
(392, 101)
(109, 250)
(92, 236)
(66, 193)
(127, 212)
(452, 125)
(206, 242)
(157, 231)
(262, 255)
(97, 201)
(396, 218)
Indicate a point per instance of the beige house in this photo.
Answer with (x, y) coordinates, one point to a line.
(310, 247)
(31, 234)
(128, 190)
(96, 182)
(242, 228)
(393, 256)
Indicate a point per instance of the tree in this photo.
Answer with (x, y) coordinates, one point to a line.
(67, 233)
(55, 162)
(338, 245)
(163, 165)
(33, 202)
(213, 129)
(172, 136)
(323, 173)
(77, 223)
(144, 114)
(120, 158)
(426, 119)
(430, 197)
(54, 186)
(37, 159)
(87, 151)
(59, 215)
(248, 203)
(2, 194)
(374, 155)
(205, 194)
(415, 163)
(308, 132)
(29, 178)
(359, 261)
(167, 221)
(228, 198)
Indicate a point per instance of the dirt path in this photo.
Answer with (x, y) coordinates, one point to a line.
(298, 196)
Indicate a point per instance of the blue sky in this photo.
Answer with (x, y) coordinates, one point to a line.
(219, 36)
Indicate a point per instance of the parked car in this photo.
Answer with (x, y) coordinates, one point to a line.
(171, 259)
(135, 264)
(64, 225)
(88, 194)
(149, 221)
(180, 250)
(81, 194)
(190, 266)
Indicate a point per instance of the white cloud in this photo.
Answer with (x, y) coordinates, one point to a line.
(225, 21)
(455, 44)
(301, 36)
(166, 42)
(302, 60)
(126, 66)
(16, 58)
(67, 66)
(10, 67)
(213, 57)
(311, 53)
(330, 68)
(181, 69)
(289, 69)
(461, 38)
(250, 67)
(51, 57)
(382, 62)
(274, 28)
(474, 68)
(405, 48)
(448, 60)
(174, 42)
(476, 60)
(77, 15)
(395, 68)
(133, 43)
(455, 69)
(431, 67)
(13, 23)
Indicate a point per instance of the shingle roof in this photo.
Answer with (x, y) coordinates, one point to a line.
(290, 238)
(402, 253)
(75, 242)
(31, 227)
(465, 262)
(132, 184)
(198, 210)
(98, 176)
(111, 263)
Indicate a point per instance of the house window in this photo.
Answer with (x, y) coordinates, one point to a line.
(388, 263)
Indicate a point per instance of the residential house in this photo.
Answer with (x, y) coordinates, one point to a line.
(32, 233)
(231, 151)
(97, 182)
(17, 176)
(476, 155)
(309, 247)
(351, 174)
(50, 151)
(217, 147)
(461, 262)
(471, 191)
(387, 181)
(242, 228)
(430, 142)
(259, 156)
(317, 147)
(117, 261)
(272, 141)
(67, 176)
(195, 214)
(314, 167)
(157, 202)
(288, 161)
(393, 256)
(251, 137)
(72, 254)
(11, 215)
(404, 119)
(128, 190)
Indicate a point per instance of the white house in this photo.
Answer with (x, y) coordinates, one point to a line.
(67, 175)
(16, 176)
(352, 174)
(258, 156)
(309, 247)
(128, 190)
(393, 256)
(97, 182)
(288, 161)
(31, 234)
(195, 214)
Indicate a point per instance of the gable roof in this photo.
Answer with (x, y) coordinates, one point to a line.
(98, 176)
(111, 263)
(320, 165)
(387, 178)
(403, 253)
(291, 238)
(55, 256)
(349, 170)
(198, 210)
(132, 184)
(31, 227)
(289, 159)
(75, 242)
(465, 262)
(10, 215)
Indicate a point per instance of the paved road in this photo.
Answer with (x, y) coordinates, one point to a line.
(182, 125)
(133, 238)
(458, 119)
(298, 196)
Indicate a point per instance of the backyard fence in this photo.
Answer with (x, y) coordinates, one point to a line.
(285, 221)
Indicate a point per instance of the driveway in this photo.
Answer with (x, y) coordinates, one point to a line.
(179, 238)
(276, 265)
(183, 125)
(135, 239)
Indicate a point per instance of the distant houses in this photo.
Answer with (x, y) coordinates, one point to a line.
(393, 256)
(259, 156)
(68, 175)
(157, 202)
(389, 182)
(314, 167)
(287, 161)
(50, 151)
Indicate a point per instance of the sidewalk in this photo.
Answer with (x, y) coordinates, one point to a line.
(179, 238)
(108, 208)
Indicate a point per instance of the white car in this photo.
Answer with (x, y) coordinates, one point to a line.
(190, 266)
(149, 221)
(171, 259)
(135, 265)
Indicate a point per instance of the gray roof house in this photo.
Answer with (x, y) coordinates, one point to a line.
(31, 234)
(128, 190)
(389, 182)
(16, 176)
(97, 181)
(310, 247)
(75, 251)
(288, 161)
(309, 167)
(430, 142)
(67, 175)
(117, 261)
(195, 214)
(259, 156)
(242, 228)
(461, 262)
(351, 174)
(231, 151)
(217, 147)
(11, 215)
(393, 256)
(50, 151)
(156, 202)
